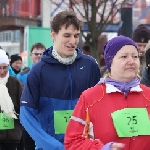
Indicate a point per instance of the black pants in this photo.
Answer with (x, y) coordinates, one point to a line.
(21, 144)
(8, 146)
(29, 143)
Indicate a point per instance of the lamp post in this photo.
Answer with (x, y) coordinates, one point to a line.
(126, 19)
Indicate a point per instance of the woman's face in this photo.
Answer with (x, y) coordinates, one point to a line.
(3, 70)
(125, 64)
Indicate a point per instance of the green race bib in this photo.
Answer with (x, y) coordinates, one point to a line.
(131, 122)
(6, 122)
(61, 119)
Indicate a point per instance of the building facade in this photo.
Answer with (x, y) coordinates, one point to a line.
(30, 10)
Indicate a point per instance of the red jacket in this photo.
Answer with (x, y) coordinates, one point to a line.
(95, 106)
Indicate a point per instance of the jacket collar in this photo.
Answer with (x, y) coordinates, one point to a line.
(110, 89)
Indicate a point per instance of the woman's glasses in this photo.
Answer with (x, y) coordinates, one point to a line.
(5, 68)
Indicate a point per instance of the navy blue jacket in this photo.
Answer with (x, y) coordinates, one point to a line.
(54, 86)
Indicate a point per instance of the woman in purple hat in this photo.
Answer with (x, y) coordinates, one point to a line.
(114, 114)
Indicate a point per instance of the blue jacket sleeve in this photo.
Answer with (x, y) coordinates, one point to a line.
(42, 139)
(29, 112)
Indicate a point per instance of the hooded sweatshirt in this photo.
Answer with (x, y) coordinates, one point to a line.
(52, 86)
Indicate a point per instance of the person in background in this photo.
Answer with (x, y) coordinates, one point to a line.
(86, 50)
(103, 67)
(15, 65)
(145, 79)
(102, 40)
(10, 93)
(36, 52)
(141, 36)
(55, 83)
(14, 69)
(111, 115)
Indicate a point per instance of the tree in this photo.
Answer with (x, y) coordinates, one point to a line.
(96, 14)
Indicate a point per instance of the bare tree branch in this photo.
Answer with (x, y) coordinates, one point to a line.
(86, 9)
(78, 10)
(97, 14)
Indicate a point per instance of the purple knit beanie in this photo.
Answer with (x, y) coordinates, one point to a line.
(113, 46)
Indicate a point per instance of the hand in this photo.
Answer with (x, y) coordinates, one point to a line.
(117, 146)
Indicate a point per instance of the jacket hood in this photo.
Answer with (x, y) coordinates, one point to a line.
(47, 54)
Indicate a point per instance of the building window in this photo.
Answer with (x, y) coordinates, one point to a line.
(10, 36)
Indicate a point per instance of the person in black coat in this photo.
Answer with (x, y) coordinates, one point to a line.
(146, 71)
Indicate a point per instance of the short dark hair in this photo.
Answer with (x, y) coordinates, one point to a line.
(37, 45)
(66, 18)
(86, 48)
(14, 58)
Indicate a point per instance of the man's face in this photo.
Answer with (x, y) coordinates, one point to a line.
(66, 40)
(141, 48)
(17, 65)
(3, 70)
(36, 54)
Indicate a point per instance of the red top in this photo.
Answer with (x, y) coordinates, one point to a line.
(100, 105)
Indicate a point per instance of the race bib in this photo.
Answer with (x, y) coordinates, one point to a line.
(6, 122)
(61, 119)
(130, 122)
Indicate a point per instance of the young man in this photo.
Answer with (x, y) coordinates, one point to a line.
(36, 52)
(141, 36)
(55, 83)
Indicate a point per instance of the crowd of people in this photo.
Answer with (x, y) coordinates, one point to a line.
(66, 100)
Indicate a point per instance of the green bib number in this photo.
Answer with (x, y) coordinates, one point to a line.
(131, 122)
(6, 122)
(61, 119)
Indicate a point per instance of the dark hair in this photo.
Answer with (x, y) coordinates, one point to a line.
(86, 48)
(37, 45)
(14, 58)
(66, 18)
